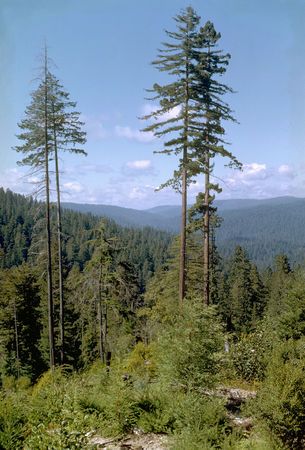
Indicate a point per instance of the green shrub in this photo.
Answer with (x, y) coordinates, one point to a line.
(250, 356)
(190, 352)
(203, 424)
(281, 401)
(64, 434)
(12, 423)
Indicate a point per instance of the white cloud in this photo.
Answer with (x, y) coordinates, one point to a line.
(286, 170)
(170, 114)
(83, 169)
(262, 181)
(140, 164)
(138, 168)
(146, 136)
(254, 170)
(195, 188)
(135, 185)
(132, 134)
(16, 180)
(137, 193)
(73, 186)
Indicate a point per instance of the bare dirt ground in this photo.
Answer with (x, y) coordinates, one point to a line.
(135, 441)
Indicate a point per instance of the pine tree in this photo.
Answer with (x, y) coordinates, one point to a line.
(245, 294)
(20, 322)
(176, 59)
(278, 283)
(67, 134)
(211, 111)
(51, 125)
(99, 282)
(196, 132)
(37, 148)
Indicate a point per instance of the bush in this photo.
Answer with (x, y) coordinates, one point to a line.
(281, 401)
(190, 352)
(250, 356)
(203, 424)
(12, 423)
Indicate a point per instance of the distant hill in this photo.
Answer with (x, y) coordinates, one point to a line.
(264, 227)
(132, 217)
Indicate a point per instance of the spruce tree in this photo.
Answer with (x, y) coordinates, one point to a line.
(176, 59)
(210, 111)
(245, 294)
(196, 132)
(99, 283)
(67, 134)
(36, 148)
(20, 322)
(51, 125)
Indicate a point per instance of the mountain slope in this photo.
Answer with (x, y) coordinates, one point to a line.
(264, 227)
(126, 216)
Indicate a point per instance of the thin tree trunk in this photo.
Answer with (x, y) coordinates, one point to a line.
(16, 340)
(100, 319)
(206, 235)
(105, 331)
(182, 263)
(59, 245)
(48, 228)
(206, 225)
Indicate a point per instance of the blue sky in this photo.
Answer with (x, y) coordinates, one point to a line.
(103, 49)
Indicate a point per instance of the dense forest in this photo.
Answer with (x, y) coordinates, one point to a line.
(260, 226)
(164, 361)
(111, 335)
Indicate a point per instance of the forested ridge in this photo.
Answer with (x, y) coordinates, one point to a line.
(112, 336)
(21, 237)
(264, 228)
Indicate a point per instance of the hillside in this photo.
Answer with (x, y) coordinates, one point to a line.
(22, 225)
(132, 217)
(264, 227)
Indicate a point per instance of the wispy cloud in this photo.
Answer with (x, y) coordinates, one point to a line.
(94, 126)
(172, 113)
(84, 169)
(73, 187)
(141, 164)
(258, 180)
(133, 134)
(16, 180)
(141, 167)
(287, 171)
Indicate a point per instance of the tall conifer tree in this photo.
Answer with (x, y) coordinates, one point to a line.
(211, 111)
(51, 125)
(67, 134)
(36, 148)
(176, 59)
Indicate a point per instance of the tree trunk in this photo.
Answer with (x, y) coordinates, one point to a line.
(16, 340)
(104, 331)
(59, 245)
(182, 263)
(206, 235)
(101, 345)
(48, 227)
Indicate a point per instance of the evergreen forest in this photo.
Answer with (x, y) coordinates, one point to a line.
(116, 336)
